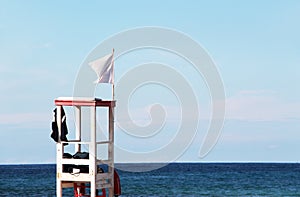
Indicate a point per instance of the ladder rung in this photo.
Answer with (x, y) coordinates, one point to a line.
(102, 176)
(102, 181)
(107, 162)
(105, 185)
(104, 142)
(75, 142)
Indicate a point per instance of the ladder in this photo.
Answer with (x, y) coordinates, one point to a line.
(97, 181)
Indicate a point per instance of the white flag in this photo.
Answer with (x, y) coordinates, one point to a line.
(104, 68)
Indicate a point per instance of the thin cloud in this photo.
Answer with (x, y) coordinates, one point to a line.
(260, 105)
(142, 115)
(45, 45)
(25, 119)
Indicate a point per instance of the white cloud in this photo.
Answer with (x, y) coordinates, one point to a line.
(261, 105)
(26, 119)
(45, 45)
(172, 114)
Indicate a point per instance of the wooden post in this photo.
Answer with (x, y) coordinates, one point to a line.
(93, 152)
(111, 149)
(59, 154)
(78, 127)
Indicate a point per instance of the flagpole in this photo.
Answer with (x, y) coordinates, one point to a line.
(113, 92)
(113, 84)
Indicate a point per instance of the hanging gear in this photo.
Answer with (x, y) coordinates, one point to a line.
(64, 129)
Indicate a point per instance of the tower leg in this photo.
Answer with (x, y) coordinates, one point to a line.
(58, 188)
(93, 152)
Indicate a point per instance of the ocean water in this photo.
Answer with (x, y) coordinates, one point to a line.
(176, 179)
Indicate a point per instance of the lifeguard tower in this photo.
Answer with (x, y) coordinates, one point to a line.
(75, 176)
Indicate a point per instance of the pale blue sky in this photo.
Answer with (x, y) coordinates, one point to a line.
(255, 45)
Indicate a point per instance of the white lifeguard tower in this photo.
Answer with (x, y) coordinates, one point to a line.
(97, 181)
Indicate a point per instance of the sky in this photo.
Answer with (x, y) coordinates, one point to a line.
(254, 45)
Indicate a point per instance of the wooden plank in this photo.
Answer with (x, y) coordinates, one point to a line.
(71, 101)
(75, 161)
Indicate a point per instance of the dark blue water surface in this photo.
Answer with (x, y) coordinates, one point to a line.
(176, 179)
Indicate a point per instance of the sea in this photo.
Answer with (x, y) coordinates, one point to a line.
(175, 179)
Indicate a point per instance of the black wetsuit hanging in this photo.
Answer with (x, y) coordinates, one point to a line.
(64, 129)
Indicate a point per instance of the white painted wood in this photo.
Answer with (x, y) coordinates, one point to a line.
(111, 149)
(78, 127)
(93, 152)
(97, 181)
(76, 161)
(59, 154)
(76, 98)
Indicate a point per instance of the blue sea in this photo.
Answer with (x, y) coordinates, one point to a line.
(176, 179)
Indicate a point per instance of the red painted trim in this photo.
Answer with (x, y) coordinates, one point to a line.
(85, 103)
